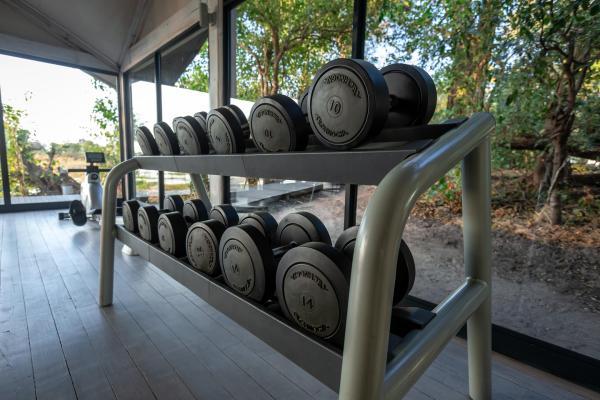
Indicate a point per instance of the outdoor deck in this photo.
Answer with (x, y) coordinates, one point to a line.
(158, 340)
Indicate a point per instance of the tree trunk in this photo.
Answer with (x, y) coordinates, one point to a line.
(559, 161)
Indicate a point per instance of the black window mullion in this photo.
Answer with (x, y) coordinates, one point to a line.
(359, 22)
(157, 80)
(3, 157)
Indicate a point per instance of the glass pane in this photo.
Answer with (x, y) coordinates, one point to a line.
(52, 116)
(143, 104)
(279, 48)
(281, 197)
(184, 76)
(545, 274)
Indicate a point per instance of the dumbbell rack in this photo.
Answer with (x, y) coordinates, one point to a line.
(361, 371)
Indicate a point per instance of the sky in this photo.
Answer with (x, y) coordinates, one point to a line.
(58, 101)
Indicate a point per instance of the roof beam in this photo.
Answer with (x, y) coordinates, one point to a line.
(61, 55)
(176, 24)
(135, 27)
(59, 31)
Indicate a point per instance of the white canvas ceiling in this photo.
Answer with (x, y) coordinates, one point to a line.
(110, 35)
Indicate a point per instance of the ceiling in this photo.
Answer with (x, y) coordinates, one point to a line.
(100, 35)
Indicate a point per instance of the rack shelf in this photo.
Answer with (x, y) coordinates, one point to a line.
(402, 174)
(365, 167)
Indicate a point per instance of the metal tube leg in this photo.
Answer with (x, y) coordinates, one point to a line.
(477, 252)
(107, 230)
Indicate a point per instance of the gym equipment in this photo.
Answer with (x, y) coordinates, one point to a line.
(130, 215)
(201, 118)
(194, 210)
(191, 135)
(405, 272)
(90, 205)
(264, 222)
(202, 240)
(166, 139)
(302, 227)
(173, 226)
(278, 124)
(146, 141)
(224, 213)
(228, 130)
(148, 222)
(202, 245)
(350, 99)
(248, 259)
(174, 202)
(313, 282)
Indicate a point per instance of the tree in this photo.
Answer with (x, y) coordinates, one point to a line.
(462, 41)
(564, 41)
(282, 43)
(105, 113)
(16, 141)
(196, 75)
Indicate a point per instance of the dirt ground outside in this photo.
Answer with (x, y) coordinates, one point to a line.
(547, 290)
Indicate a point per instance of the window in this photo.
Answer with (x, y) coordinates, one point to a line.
(143, 104)
(184, 88)
(278, 49)
(46, 134)
(545, 274)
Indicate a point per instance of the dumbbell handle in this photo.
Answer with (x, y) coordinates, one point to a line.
(419, 132)
(278, 252)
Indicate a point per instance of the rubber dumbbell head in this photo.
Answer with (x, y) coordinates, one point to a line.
(302, 227)
(264, 222)
(202, 245)
(191, 136)
(166, 139)
(349, 100)
(146, 141)
(201, 118)
(225, 213)
(228, 130)
(312, 289)
(194, 210)
(148, 222)
(130, 213)
(278, 124)
(172, 230)
(405, 264)
(174, 202)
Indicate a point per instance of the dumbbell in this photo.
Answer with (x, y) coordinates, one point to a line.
(350, 100)
(173, 226)
(130, 213)
(313, 283)
(202, 240)
(146, 141)
(201, 118)
(147, 221)
(174, 202)
(191, 136)
(277, 124)
(249, 259)
(228, 130)
(166, 139)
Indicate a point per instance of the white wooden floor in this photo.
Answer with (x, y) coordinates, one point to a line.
(160, 341)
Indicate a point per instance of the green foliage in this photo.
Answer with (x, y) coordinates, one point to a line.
(106, 114)
(282, 43)
(195, 76)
